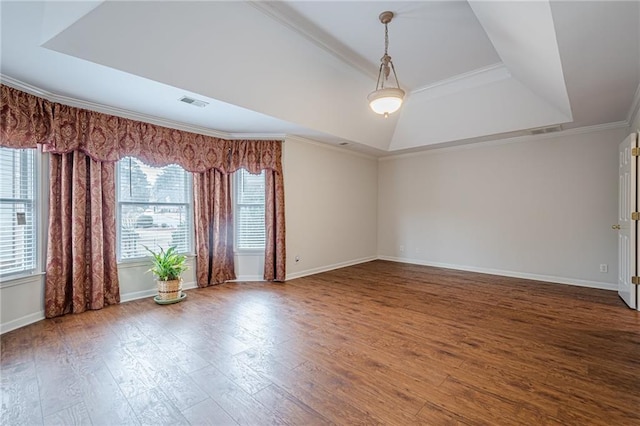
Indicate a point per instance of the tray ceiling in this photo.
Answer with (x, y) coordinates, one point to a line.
(471, 69)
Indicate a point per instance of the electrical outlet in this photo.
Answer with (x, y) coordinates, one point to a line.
(604, 267)
(401, 249)
(297, 259)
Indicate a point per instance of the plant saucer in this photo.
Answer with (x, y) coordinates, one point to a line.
(170, 301)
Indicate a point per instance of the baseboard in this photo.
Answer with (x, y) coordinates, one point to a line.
(511, 274)
(327, 268)
(247, 278)
(134, 295)
(21, 322)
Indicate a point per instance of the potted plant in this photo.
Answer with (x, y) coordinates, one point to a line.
(168, 267)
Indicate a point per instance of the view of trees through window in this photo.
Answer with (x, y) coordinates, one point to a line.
(154, 208)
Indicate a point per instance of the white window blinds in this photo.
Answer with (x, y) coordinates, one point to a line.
(18, 220)
(249, 215)
(154, 208)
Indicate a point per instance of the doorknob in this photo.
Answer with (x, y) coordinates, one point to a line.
(615, 226)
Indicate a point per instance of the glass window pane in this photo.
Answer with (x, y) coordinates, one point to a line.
(139, 182)
(152, 226)
(154, 208)
(134, 184)
(251, 188)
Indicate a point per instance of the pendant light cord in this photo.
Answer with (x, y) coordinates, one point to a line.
(386, 39)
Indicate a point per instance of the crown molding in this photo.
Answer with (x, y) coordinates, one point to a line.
(25, 87)
(326, 145)
(465, 81)
(256, 136)
(291, 19)
(119, 112)
(510, 140)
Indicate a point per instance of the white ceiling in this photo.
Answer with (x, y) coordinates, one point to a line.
(472, 70)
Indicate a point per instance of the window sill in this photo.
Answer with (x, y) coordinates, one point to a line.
(248, 253)
(19, 279)
(143, 261)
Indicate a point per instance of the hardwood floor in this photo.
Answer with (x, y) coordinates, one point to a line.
(377, 343)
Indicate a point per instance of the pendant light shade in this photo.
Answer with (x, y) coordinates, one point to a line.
(386, 100)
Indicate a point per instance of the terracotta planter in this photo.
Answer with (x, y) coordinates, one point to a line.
(169, 290)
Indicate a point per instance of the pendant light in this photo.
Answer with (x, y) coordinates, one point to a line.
(386, 100)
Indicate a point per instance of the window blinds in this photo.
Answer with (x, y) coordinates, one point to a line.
(18, 220)
(250, 228)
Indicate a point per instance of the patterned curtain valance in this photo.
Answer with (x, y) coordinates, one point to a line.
(27, 120)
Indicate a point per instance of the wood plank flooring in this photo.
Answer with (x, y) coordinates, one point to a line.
(377, 343)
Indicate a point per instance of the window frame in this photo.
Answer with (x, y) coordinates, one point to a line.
(38, 229)
(189, 214)
(235, 197)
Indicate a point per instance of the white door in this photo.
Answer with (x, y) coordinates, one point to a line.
(627, 203)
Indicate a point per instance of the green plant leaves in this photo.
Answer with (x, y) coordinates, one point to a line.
(167, 264)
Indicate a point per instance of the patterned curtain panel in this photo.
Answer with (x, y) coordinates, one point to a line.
(275, 255)
(214, 227)
(81, 270)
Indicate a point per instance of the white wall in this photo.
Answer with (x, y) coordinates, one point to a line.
(540, 208)
(21, 302)
(331, 207)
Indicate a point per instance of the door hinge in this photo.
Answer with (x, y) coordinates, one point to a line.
(635, 280)
(635, 215)
(635, 152)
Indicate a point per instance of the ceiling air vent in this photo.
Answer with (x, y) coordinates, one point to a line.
(194, 102)
(544, 130)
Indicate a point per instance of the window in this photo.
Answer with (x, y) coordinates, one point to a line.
(154, 208)
(249, 211)
(18, 220)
